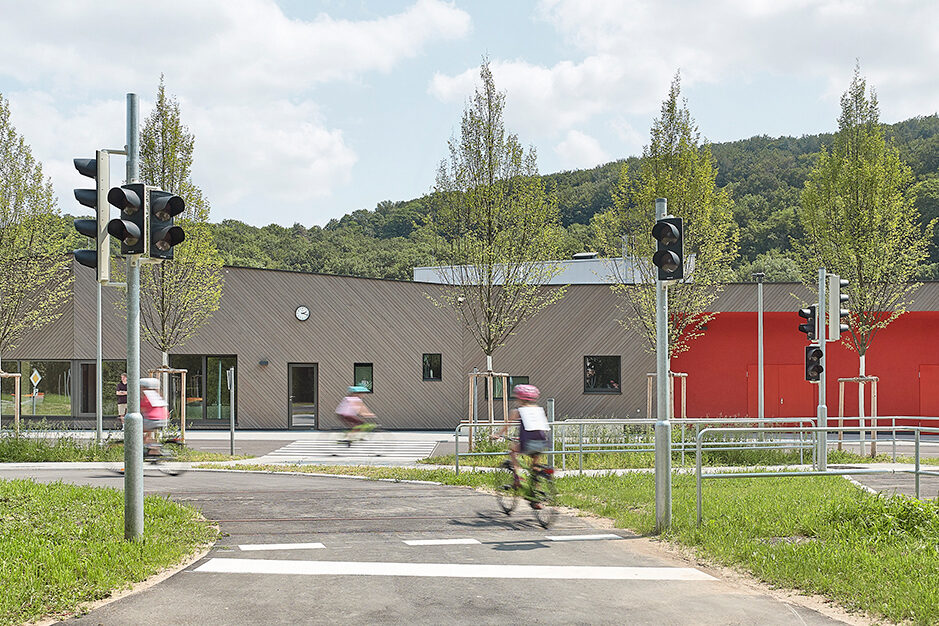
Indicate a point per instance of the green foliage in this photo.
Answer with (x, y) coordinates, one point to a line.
(63, 546)
(34, 271)
(860, 220)
(677, 167)
(494, 226)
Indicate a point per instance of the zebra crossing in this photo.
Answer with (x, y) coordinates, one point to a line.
(333, 450)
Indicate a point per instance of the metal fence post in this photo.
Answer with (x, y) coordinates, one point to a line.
(916, 456)
(580, 449)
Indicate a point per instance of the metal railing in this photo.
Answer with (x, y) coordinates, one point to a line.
(917, 471)
(563, 443)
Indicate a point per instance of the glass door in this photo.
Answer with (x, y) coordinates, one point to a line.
(302, 387)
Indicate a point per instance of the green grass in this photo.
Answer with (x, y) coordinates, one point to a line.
(816, 534)
(63, 545)
(46, 448)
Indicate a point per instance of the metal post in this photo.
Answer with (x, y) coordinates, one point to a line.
(231, 405)
(663, 436)
(916, 458)
(133, 421)
(99, 396)
(759, 307)
(580, 449)
(822, 435)
(550, 411)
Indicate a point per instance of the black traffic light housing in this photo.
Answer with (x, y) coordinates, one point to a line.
(809, 314)
(813, 363)
(164, 234)
(129, 227)
(669, 251)
(96, 229)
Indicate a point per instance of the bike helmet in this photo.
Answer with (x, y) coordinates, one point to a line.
(358, 389)
(526, 393)
(149, 383)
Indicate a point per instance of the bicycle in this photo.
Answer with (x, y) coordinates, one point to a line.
(165, 460)
(539, 490)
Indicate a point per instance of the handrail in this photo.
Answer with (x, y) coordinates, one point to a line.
(917, 471)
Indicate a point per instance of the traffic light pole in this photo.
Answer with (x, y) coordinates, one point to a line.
(663, 428)
(133, 421)
(820, 333)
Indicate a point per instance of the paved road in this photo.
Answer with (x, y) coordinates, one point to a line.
(303, 549)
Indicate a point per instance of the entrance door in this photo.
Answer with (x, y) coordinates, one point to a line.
(301, 385)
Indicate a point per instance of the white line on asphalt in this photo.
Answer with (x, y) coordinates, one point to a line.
(581, 537)
(282, 546)
(438, 542)
(448, 570)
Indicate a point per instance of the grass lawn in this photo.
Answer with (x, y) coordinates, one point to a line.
(817, 534)
(63, 545)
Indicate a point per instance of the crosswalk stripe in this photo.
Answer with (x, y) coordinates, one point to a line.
(581, 537)
(281, 546)
(439, 542)
(448, 570)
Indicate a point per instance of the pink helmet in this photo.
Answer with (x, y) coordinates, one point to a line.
(526, 393)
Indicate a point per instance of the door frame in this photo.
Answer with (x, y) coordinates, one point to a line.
(316, 392)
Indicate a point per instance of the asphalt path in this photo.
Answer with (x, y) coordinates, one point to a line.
(323, 550)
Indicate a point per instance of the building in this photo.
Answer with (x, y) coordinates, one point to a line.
(296, 341)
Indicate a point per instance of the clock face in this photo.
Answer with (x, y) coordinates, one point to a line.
(302, 313)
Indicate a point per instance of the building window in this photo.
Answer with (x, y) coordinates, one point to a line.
(497, 387)
(52, 396)
(207, 395)
(601, 374)
(432, 367)
(362, 375)
(111, 376)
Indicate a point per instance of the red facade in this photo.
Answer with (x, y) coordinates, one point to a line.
(722, 368)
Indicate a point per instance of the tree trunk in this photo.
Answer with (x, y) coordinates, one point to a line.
(860, 403)
(164, 377)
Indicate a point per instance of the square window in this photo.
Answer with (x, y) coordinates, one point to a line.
(362, 375)
(432, 367)
(602, 374)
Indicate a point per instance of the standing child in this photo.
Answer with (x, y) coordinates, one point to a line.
(352, 411)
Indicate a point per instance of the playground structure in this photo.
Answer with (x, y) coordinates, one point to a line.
(860, 380)
(156, 373)
(16, 397)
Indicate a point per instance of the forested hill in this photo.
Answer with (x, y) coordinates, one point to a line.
(765, 175)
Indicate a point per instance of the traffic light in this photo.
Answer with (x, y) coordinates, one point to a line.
(164, 234)
(100, 257)
(813, 363)
(837, 314)
(667, 233)
(129, 227)
(809, 314)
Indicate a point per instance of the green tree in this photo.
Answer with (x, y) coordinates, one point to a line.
(494, 225)
(677, 167)
(178, 296)
(860, 220)
(34, 269)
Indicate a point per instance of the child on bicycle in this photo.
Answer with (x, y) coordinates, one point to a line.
(533, 427)
(153, 410)
(352, 411)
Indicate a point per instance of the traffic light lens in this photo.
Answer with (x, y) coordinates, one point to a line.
(666, 260)
(665, 233)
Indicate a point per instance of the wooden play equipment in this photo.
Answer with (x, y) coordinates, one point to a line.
(16, 397)
(182, 395)
(487, 379)
(861, 380)
(650, 393)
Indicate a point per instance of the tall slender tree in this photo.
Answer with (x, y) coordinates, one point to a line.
(676, 166)
(861, 222)
(494, 225)
(177, 296)
(34, 269)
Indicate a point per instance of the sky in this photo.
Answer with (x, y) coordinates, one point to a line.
(306, 110)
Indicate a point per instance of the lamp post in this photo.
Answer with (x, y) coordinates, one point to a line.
(759, 324)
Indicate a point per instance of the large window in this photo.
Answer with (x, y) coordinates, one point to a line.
(208, 396)
(432, 366)
(51, 397)
(601, 374)
(111, 376)
(362, 376)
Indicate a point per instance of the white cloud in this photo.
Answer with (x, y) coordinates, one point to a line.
(579, 150)
(245, 75)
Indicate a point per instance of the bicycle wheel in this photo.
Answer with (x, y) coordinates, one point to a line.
(545, 493)
(169, 464)
(506, 492)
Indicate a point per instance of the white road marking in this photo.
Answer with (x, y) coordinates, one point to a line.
(581, 537)
(448, 570)
(438, 542)
(281, 546)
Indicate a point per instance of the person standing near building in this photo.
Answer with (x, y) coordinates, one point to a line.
(122, 399)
